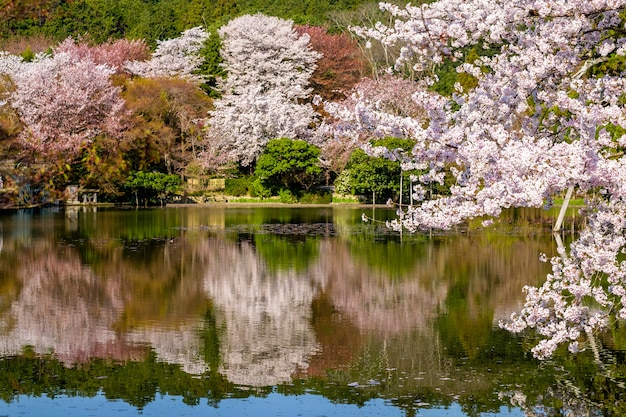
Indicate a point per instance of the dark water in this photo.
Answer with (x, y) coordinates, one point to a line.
(279, 312)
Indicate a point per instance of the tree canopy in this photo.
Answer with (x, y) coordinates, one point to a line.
(289, 164)
(377, 176)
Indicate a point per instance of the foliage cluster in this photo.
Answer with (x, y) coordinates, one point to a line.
(149, 186)
(376, 176)
(158, 19)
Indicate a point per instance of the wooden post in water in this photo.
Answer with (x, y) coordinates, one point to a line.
(373, 205)
(559, 220)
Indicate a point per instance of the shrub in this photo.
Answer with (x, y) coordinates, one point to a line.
(317, 197)
(289, 164)
(239, 186)
(259, 190)
(287, 197)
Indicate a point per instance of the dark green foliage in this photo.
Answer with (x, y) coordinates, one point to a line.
(151, 186)
(211, 67)
(288, 164)
(155, 19)
(239, 186)
(100, 20)
(377, 175)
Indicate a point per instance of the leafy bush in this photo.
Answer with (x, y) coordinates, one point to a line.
(316, 197)
(151, 187)
(289, 164)
(342, 183)
(287, 197)
(240, 186)
(259, 190)
(378, 175)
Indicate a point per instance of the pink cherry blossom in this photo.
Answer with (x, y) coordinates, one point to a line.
(64, 102)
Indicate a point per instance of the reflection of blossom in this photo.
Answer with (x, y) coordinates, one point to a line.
(572, 402)
(371, 299)
(268, 336)
(62, 307)
(178, 345)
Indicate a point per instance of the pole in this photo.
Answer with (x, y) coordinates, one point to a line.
(559, 220)
(401, 190)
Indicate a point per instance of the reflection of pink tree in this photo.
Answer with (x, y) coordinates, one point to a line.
(64, 307)
(115, 309)
(374, 301)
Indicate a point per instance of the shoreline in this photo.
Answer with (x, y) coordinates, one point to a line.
(203, 205)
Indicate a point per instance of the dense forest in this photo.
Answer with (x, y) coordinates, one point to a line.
(149, 101)
(152, 19)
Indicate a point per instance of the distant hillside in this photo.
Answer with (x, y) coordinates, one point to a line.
(149, 19)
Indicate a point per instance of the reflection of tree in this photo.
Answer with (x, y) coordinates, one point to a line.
(421, 327)
(268, 336)
(583, 385)
(118, 307)
(286, 252)
(390, 256)
(431, 320)
(338, 338)
(486, 274)
(136, 382)
(161, 284)
(375, 300)
(62, 305)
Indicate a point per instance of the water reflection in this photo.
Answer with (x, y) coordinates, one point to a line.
(308, 300)
(266, 315)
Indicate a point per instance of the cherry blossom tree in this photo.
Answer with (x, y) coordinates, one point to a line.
(178, 57)
(366, 113)
(356, 120)
(113, 53)
(268, 68)
(64, 102)
(547, 115)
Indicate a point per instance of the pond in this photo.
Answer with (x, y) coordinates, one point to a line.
(231, 311)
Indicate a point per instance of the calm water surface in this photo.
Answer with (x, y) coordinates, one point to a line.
(279, 312)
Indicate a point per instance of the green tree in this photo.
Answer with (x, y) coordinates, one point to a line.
(290, 164)
(211, 67)
(377, 176)
(150, 186)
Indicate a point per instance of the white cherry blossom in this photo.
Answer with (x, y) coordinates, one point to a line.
(547, 114)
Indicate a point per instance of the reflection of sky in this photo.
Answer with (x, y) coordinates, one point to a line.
(274, 405)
